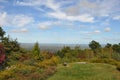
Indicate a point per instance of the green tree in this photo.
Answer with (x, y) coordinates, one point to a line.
(15, 45)
(108, 45)
(36, 51)
(9, 44)
(61, 53)
(116, 48)
(2, 33)
(66, 49)
(77, 51)
(95, 46)
(6, 43)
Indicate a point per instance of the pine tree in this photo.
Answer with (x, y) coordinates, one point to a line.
(8, 43)
(36, 51)
(2, 33)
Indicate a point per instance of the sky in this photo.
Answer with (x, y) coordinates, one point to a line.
(61, 21)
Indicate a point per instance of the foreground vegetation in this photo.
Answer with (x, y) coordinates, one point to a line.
(88, 71)
(21, 64)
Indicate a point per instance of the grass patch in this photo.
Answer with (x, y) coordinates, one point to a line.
(89, 71)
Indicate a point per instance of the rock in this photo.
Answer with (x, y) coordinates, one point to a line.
(64, 64)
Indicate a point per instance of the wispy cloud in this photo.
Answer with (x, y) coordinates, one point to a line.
(46, 25)
(107, 29)
(80, 10)
(63, 16)
(57, 12)
(117, 17)
(93, 32)
(38, 3)
(22, 30)
(3, 18)
(22, 20)
(29, 3)
(15, 20)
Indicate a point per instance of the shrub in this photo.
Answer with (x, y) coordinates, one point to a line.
(42, 76)
(36, 76)
(24, 69)
(50, 71)
(118, 66)
(116, 56)
(109, 61)
(7, 73)
(55, 60)
(49, 62)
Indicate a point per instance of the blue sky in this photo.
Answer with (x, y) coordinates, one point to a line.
(61, 21)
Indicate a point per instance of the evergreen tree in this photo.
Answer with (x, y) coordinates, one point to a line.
(36, 51)
(2, 33)
(116, 48)
(95, 46)
(9, 44)
(108, 45)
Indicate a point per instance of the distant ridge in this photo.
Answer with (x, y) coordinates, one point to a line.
(53, 47)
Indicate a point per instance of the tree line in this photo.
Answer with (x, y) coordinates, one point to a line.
(10, 45)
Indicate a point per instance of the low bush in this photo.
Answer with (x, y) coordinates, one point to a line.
(118, 66)
(49, 62)
(7, 73)
(108, 61)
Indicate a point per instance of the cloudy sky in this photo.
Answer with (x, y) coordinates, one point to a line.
(61, 21)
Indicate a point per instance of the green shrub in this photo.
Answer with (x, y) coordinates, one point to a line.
(7, 73)
(118, 66)
(49, 62)
(108, 61)
(24, 69)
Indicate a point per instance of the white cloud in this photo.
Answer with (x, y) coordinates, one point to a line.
(3, 18)
(107, 29)
(63, 16)
(80, 10)
(96, 8)
(38, 3)
(51, 4)
(29, 3)
(22, 20)
(94, 32)
(44, 25)
(57, 10)
(72, 10)
(59, 23)
(97, 31)
(87, 4)
(117, 17)
(15, 20)
(23, 30)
